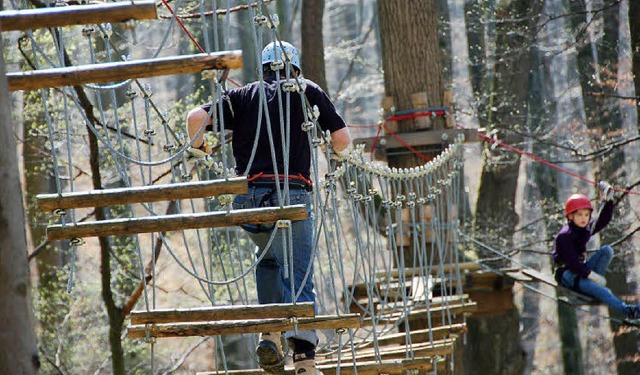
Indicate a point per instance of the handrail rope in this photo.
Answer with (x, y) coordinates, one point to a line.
(481, 135)
(189, 35)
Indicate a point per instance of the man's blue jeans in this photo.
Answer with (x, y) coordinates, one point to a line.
(598, 263)
(274, 271)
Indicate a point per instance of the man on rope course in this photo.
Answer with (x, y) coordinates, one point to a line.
(572, 269)
(282, 148)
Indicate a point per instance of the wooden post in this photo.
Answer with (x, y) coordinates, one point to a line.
(138, 194)
(234, 327)
(28, 19)
(121, 227)
(388, 108)
(419, 100)
(122, 70)
(240, 312)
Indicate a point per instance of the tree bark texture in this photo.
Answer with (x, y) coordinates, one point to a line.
(313, 66)
(634, 26)
(411, 55)
(18, 348)
(496, 216)
(113, 311)
(621, 274)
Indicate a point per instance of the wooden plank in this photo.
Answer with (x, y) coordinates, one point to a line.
(421, 138)
(415, 271)
(391, 367)
(417, 336)
(166, 223)
(139, 194)
(492, 303)
(486, 281)
(28, 19)
(216, 313)
(539, 276)
(438, 348)
(122, 70)
(422, 313)
(564, 294)
(518, 276)
(234, 327)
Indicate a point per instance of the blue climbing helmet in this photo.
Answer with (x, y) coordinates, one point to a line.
(273, 52)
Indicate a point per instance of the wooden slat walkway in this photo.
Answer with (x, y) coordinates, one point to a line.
(391, 367)
(216, 313)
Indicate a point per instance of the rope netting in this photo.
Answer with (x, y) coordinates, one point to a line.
(385, 239)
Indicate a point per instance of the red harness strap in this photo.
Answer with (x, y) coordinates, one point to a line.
(267, 176)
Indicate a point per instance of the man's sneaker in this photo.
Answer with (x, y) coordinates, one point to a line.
(269, 352)
(305, 364)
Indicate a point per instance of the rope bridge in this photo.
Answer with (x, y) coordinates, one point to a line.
(387, 276)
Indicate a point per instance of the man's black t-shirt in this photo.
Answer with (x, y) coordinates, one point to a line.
(241, 115)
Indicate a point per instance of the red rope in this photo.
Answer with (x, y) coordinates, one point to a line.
(438, 112)
(184, 28)
(375, 141)
(405, 144)
(544, 162)
(481, 135)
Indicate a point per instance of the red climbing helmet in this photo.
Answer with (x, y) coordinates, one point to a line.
(576, 202)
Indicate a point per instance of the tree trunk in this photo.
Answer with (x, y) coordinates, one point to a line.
(412, 64)
(313, 66)
(634, 26)
(114, 313)
(496, 218)
(18, 348)
(611, 119)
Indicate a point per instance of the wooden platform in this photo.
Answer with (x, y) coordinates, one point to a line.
(233, 327)
(419, 138)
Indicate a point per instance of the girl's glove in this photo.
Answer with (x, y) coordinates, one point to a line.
(606, 191)
(598, 279)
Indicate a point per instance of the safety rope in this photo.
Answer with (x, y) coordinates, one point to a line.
(354, 202)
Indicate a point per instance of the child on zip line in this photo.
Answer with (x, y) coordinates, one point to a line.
(572, 268)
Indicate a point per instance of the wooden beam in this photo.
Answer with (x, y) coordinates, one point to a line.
(240, 312)
(446, 268)
(391, 367)
(565, 295)
(138, 194)
(234, 327)
(422, 313)
(122, 70)
(437, 348)
(423, 335)
(120, 227)
(28, 19)
(419, 138)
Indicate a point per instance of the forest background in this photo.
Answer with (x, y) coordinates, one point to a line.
(554, 78)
